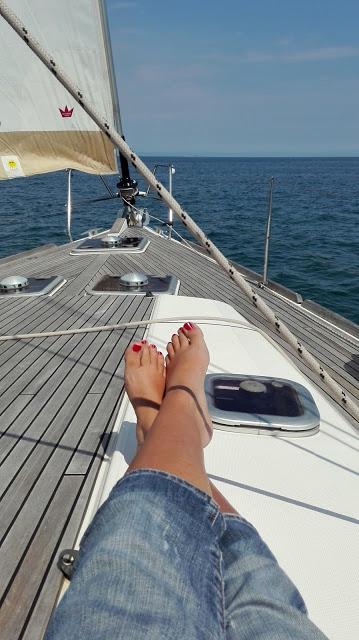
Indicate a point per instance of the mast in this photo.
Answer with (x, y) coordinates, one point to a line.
(127, 187)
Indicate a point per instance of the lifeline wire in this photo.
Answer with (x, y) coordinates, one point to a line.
(122, 325)
(117, 140)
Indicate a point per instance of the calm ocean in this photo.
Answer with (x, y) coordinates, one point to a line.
(315, 239)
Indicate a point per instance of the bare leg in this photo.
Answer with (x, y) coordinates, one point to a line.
(145, 382)
(175, 441)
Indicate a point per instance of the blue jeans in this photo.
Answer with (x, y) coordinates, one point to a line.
(160, 561)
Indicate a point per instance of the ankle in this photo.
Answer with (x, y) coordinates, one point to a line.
(181, 393)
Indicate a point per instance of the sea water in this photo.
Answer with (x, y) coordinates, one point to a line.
(314, 237)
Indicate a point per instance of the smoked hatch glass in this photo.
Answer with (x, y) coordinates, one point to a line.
(261, 404)
(251, 396)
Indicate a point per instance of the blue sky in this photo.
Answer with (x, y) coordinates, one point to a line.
(238, 77)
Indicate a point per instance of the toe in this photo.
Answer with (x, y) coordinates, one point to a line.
(167, 361)
(170, 351)
(192, 331)
(182, 338)
(145, 355)
(160, 363)
(153, 354)
(176, 342)
(133, 355)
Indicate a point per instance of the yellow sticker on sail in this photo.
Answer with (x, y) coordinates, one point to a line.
(12, 166)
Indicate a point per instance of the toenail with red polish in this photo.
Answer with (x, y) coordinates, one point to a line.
(143, 341)
(153, 346)
(188, 326)
(136, 347)
(181, 329)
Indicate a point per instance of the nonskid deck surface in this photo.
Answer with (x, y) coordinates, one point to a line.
(60, 397)
(299, 492)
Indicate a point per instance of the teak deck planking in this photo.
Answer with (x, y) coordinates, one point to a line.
(59, 398)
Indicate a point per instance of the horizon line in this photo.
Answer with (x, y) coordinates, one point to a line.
(167, 154)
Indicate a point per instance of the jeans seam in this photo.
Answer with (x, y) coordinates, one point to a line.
(213, 522)
(169, 476)
(223, 603)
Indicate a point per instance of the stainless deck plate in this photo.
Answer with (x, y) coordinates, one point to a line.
(112, 285)
(36, 287)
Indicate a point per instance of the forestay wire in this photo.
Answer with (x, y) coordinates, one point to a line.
(280, 328)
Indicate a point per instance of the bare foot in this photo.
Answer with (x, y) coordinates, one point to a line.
(187, 363)
(145, 380)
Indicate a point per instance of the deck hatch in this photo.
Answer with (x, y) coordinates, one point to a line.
(113, 243)
(33, 287)
(148, 285)
(259, 404)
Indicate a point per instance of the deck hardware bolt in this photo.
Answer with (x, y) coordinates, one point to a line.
(66, 561)
(52, 62)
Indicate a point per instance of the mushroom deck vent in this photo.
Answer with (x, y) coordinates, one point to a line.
(113, 243)
(13, 283)
(22, 286)
(137, 284)
(259, 404)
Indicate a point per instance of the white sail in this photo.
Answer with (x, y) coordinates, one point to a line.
(42, 129)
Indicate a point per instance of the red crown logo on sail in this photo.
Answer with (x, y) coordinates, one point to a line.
(66, 113)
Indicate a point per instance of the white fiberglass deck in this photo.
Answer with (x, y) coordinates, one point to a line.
(301, 493)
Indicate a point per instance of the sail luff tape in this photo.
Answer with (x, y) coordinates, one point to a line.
(163, 194)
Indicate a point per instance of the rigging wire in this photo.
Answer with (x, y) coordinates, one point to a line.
(107, 186)
(165, 224)
(159, 220)
(280, 327)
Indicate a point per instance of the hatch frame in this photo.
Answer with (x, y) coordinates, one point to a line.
(245, 422)
(100, 249)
